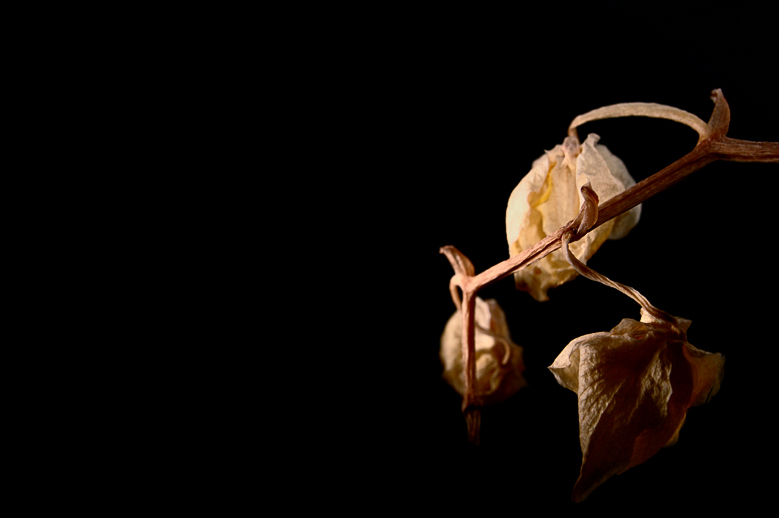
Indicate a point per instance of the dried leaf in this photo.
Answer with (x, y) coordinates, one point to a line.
(635, 385)
(499, 362)
(549, 196)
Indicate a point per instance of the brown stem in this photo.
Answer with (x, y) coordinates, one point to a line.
(713, 145)
(658, 182)
(471, 405)
(734, 150)
(469, 346)
(634, 294)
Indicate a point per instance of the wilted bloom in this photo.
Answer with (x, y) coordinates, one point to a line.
(499, 363)
(549, 196)
(635, 385)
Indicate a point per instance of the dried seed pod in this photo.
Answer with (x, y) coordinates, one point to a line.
(549, 196)
(499, 362)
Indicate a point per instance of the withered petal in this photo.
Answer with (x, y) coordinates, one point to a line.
(634, 385)
(499, 363)
(549, 196)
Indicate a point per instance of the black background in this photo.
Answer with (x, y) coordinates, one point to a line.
(451, 109)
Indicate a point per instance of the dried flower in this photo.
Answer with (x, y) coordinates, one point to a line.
(499, 363)
(635, 385)
(548, 197)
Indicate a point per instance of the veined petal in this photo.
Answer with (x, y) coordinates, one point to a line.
(549, 196)
(499, 364)
(634, 386)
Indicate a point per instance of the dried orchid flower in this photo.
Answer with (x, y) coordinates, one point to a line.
(634, 383)
(548, 197)
(499, 363)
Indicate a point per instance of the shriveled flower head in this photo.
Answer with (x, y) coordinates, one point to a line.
(549, 196)
(634, 385)
(499, 363)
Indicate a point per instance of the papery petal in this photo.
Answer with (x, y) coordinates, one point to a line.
(550, 196)
(625, 222)
(566, 366)
(563, 200)
(624, 390)
(635, 385)
(518, 213)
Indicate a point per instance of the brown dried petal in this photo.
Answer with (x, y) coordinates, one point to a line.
(499, 362)
(635, 385)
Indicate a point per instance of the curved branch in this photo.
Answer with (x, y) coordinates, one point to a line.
(659, 111)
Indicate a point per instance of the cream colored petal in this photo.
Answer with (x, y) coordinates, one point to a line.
(635, 385)
(534, 208)
(624, 389)
(616, 167)
(563, 204)
(608, 176)
(549, 206)
(592, 167)
(566, 366)
(451, 348)
(549, 197)
(499, 364)
(586, 247)
(625, 222)
(518, 212)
